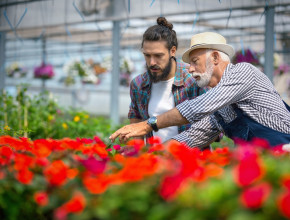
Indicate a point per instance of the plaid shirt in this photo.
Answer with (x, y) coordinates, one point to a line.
(184, 88)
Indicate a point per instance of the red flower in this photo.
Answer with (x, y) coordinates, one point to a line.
(156, 147)
(117, 147)
(56, 173)
(254, 196)
(135, 169)
(136, 143)
(22, 144)
(43, 161)
(189, 168)
(286, 181)
(85, 140)
(2, 175)
(259, 142)
(68, 143)
(5, 155)
(170, 186)
(41, 198)
(97, 185)
(75, 205)
(99, 142)
(250, 168)
(41, 148)
(284, 204)
(22, 160)
(154, 140)
(24, 176)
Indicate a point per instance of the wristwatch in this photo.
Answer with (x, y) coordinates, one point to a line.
(153, 123)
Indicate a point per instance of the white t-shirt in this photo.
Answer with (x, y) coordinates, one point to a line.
(162, 100)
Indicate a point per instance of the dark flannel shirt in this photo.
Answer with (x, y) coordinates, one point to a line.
(184, 88)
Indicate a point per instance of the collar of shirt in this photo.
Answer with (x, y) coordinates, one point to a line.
(178, 78)
(226, 72)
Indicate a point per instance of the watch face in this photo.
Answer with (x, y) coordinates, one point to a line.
(152, 120)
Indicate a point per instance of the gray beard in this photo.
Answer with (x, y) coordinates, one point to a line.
(204, 77)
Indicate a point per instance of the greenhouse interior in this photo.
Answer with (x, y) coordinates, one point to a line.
(65, 72)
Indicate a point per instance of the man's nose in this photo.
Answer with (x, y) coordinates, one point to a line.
(191, 69)
(152, 62)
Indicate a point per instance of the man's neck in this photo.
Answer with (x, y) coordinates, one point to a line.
(172, 70)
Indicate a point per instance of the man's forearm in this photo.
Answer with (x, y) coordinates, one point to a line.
(167, 119)
(171, 118)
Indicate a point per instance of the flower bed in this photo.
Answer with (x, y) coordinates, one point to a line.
(87, 179)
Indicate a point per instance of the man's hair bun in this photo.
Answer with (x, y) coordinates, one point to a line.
(162, 21)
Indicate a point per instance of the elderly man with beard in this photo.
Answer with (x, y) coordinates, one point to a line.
(242, 102)
(165, 84)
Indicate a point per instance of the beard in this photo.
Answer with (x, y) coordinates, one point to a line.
(206, 76)
(165, 72)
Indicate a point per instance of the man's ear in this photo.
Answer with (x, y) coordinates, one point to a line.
(173, 51)
(216, 57)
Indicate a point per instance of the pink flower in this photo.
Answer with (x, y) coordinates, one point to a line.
(117, 147)
(284, 68)
(45, 71)
(94, 165)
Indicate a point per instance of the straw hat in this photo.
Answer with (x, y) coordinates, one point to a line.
(208, 40)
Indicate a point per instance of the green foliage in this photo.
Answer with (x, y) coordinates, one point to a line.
(41, 117)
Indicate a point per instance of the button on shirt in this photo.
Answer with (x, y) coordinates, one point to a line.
(247, 87)
(184, 88)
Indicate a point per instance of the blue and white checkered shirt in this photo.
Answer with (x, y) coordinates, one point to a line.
(247, 87)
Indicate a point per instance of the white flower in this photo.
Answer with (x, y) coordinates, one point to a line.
(286, 147)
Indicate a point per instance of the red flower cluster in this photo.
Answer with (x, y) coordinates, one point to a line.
(94, 168)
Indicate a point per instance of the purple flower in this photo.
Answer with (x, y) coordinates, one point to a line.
(284, 68)
(249, 56)
(45, 71)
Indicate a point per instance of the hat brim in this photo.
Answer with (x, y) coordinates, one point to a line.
(228, 49)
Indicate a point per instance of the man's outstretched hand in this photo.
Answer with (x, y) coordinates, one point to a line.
(132, 130)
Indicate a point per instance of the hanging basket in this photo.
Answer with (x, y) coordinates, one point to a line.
(89, 7)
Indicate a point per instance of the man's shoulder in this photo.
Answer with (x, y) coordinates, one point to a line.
(242, 65)
(182, 66)
(140, 80)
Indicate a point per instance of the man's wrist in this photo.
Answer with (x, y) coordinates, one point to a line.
(152, 122)
(148, 128)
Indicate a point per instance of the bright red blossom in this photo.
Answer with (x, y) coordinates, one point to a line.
(255, 196)
(98, 184)
(22, 160)
(250, 167)
(41, 148)
(284, 204)
(24, 176)
(17, 144)
(75, 205)
(56, 173)
(286, 181)
(41, 198)
(5, 155)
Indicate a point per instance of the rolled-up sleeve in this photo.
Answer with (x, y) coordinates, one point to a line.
(133, 108)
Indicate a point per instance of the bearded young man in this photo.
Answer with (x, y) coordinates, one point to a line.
(242, 102)
(165, 84)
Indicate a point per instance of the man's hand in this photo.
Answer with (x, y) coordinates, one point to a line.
(132, 130)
